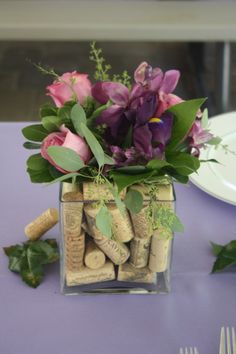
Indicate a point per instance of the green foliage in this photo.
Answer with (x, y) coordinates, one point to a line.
(35, 132)
(28, 259)
(78, 117)
(65, 158)
(51, 123)
(184, 164)
(226, 256)
(216, 140)
(185, 115)
(31, 146)
(40, 176)
(89, 106)
(101, 68)
(94, 145)
(123, 180)
(134, 201)
(124, 78)
(37, 162)
(156, 164)
(205, 120)
(104, 221)
(48, 110)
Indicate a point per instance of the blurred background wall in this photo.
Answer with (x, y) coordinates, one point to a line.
(22, 86)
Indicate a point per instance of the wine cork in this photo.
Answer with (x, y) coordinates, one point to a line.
(96, 191)
(159, 252)
(94, 258)
(139, 252)
(74, 237)
(141, 224)
(116, 251)
(121, 224)
(42, 224)
(89, 276)
(127, 272)
(164, 192)
(68, 188)
(74, 251)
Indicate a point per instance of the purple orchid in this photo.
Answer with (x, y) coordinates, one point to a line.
(163, 84)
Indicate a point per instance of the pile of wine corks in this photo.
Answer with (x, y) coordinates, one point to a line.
(134, 253)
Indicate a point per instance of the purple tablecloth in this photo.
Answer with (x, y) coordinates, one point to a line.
(43, 321)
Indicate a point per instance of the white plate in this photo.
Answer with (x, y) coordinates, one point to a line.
(219, 180)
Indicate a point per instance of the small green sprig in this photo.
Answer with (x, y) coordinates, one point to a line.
(46, 70)
(124, 78)
(101, 68)
(28, 259)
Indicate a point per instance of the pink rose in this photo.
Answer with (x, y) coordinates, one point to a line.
(70, 86)
(69, 140)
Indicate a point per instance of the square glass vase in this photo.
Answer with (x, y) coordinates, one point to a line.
(135, 260)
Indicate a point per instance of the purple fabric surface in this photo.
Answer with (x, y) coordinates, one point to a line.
(43, 321)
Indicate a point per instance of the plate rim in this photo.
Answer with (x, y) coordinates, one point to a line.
(215, 123)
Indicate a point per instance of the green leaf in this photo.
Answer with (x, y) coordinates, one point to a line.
(132, 170)
(210, 160)
(185, 115)
(35, 132)
(123, 180)
(183, 163)
(78, 117)
(48, 110)
(108, 160)
(65, 177)
(216, 248)
(40, 176)
(226, 256)
(65, 158)
(204, 120)
(94, 145)
(89, 106)
(31, 146)
(156, 164)
(214, 141)
(37, 162)
(64, 113)
(134, 201)
(177, 225)
(32, 278)
(28, 259)
(51, 123)
(104, 221)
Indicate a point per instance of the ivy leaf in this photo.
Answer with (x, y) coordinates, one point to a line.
(216, 248)
(134, 201)
(31, 146)
(28, 259)
(65, 158)
(104, 221)
(94, 145)
(226, 256)
(78, 116)
(37, 162)
(185, 115)
(35, 132)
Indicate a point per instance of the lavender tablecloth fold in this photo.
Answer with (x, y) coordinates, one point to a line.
(43, 321)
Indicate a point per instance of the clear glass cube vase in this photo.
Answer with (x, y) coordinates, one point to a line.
(136, 259)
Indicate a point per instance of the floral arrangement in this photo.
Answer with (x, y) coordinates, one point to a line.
(117, 131)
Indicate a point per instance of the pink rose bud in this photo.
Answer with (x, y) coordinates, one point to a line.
(69, 140)
(70, 86)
